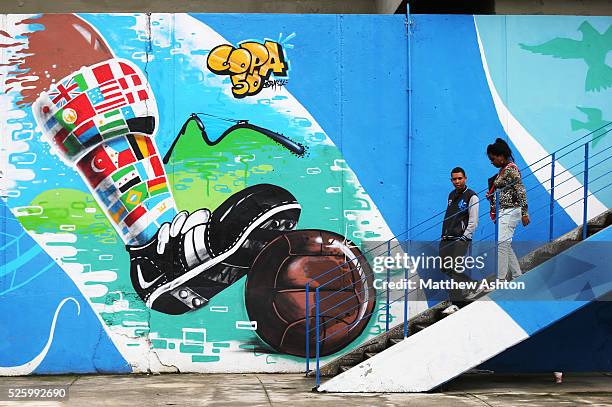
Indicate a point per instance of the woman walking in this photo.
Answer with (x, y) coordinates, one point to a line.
(512, 206)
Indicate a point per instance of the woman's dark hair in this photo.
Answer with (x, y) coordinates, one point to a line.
(500, 147)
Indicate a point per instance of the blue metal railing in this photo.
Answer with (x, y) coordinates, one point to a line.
(387, 247)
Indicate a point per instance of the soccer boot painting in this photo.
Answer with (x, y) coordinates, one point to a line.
(198, 255)
(101, 120)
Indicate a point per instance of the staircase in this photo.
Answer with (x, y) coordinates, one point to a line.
(434, 314)
(425, 351)
(501, 322)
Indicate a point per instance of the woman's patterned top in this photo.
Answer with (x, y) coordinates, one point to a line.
(511, 189)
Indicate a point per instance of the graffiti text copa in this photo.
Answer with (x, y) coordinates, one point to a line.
(249, 65)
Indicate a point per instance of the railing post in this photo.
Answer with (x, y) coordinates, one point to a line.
(406, 302)
(307, 327)
(388, 291)
(496, 234)
(552, 197)
(586, 191)
(318, 344)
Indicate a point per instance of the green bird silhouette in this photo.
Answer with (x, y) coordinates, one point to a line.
(594, 121)
(592, 48)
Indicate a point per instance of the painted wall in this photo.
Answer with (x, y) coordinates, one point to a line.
(148, 161)
(513, 77)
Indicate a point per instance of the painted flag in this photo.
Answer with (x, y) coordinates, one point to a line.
(117, 212)
(141, 169)
(156, 200)
(59, 138)
(103, 72)
(119, 151)
(133, 88)
(126, 157)
(158, 169)
(164, 205)
(137, 95)
(145, 165)
(96, 166)
(81, 80)
(135, 196)
(130, 82)
(76, 112)
(112, 97)
(134, 216)
(88, 134)
(107, 192)
(141, 145)
(72, 146)
(96, 96)
(139, 222)
(126, 69)
(111, 124)
(126, 177)
(143, 109)
(50, 123)
(114, 146)
(145, 235)
(128, 112)
(161, 209)
(157, 186)
(64, 92)
(168, 215)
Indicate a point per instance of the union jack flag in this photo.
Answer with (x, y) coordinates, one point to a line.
(64, 92)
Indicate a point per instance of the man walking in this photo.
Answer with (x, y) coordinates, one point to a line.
(460, 222)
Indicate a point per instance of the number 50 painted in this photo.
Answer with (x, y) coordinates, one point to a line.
(249, 65)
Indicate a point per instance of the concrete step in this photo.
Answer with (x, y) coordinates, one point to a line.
(394, 341)
(397, 333)
(352, 359)
(542, 257)
(344, 368)
(592, 229)
(376, 347)
(418, 327)
(369, 355)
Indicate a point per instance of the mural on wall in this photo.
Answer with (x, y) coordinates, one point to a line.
(166, 198)
(174, 231)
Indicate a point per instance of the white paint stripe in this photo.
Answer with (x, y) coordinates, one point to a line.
(435, 355)
(190, 254)
(30, 366)
(531, 150)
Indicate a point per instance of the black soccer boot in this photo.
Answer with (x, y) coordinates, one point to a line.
(189, 261)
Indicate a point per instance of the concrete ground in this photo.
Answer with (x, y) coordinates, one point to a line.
(295, 390)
